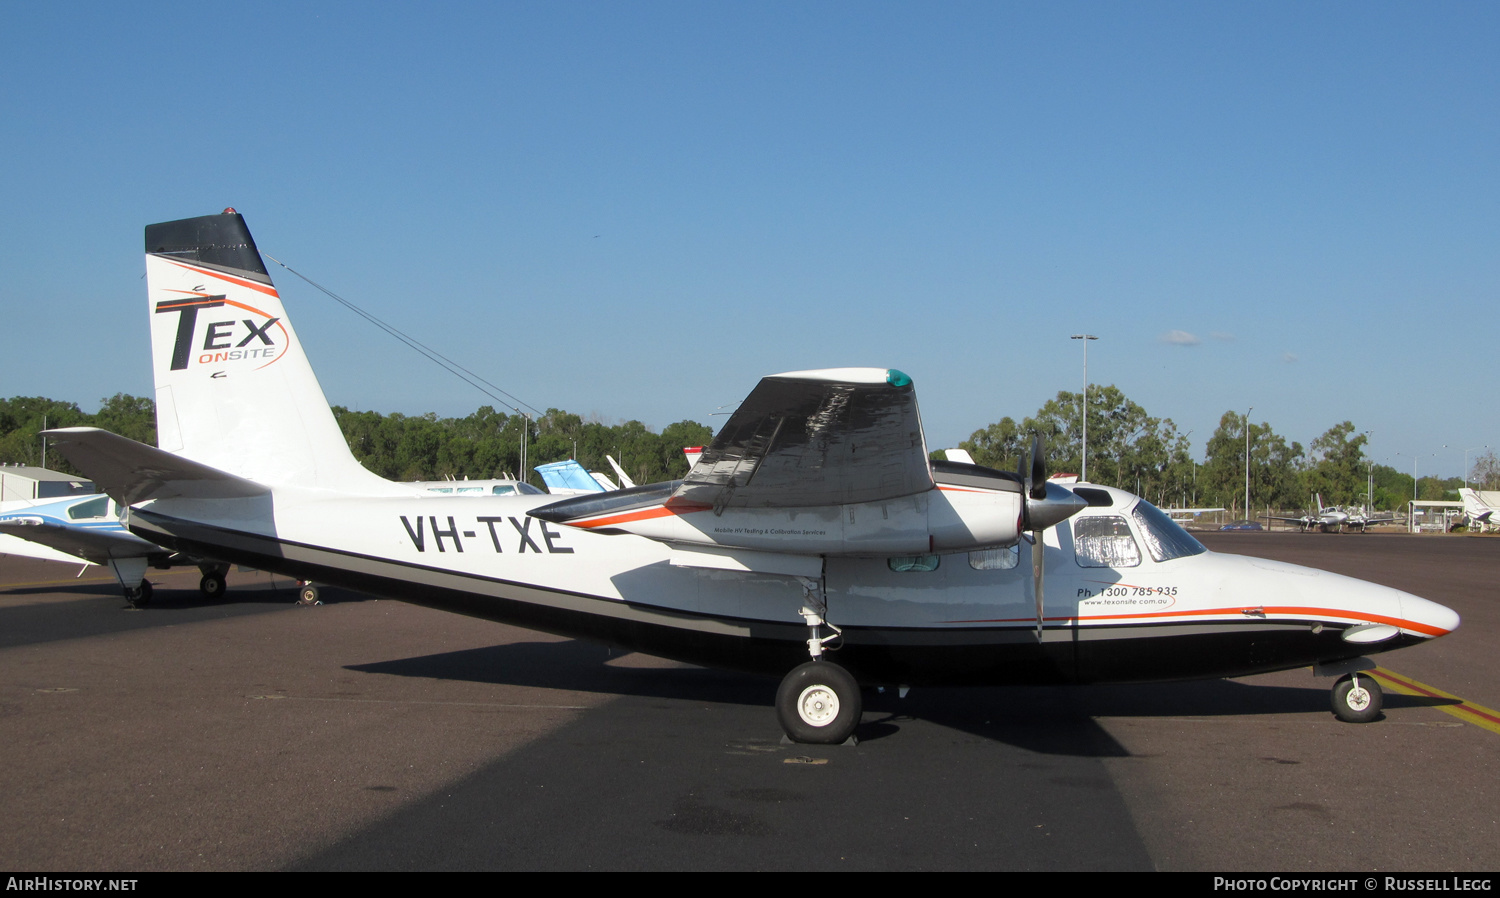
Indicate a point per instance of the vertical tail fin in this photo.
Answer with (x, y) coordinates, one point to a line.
(1475, 507)
(234, 389)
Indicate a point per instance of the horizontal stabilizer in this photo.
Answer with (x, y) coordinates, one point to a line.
(132, 472)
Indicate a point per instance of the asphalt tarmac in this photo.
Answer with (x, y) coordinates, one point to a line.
(249, 733)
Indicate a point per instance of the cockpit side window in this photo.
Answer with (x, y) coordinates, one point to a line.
(1104, 541)
(93, 508)
(1165, 540)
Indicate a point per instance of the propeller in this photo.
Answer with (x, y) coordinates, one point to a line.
(1046, 505)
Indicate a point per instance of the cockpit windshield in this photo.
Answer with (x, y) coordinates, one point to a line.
(1164, 539)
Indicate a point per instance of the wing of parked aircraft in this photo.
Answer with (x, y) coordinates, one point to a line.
(569, 478)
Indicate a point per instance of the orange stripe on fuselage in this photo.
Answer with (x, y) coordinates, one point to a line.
(644, 514)
(1238, 614)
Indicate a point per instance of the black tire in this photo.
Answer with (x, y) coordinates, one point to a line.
(819, 703)
(139, 597)
(308, 595)
(212, 586)
(1357, 704)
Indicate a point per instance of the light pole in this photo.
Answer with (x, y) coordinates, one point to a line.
(1466, 460)
(1083, 475)
(1412, 518)
(1247, 461)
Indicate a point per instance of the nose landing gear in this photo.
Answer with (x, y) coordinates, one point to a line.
(1357, 698)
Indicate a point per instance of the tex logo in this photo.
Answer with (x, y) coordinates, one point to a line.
(225, 334)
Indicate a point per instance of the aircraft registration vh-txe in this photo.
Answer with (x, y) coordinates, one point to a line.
(813, 527)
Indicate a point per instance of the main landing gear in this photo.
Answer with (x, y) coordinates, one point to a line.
(818, 702)
(307, 593)
(1357, 698)
(139, 596)
(215, 580)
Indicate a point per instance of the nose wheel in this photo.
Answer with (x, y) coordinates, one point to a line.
(819, 703)
(1357, 698)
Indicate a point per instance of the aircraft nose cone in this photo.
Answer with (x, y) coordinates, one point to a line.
(1427, 617)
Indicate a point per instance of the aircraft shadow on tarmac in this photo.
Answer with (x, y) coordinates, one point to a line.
(1046, 719)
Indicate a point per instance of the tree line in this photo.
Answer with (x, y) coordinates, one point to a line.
(480, 446)
(1132, 450)
(1128, 448)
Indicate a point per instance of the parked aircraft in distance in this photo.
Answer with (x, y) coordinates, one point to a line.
(1188, 514)
(813, 527)
(1336, 518)
(88, 530)
(502, 486)
(1480, 514)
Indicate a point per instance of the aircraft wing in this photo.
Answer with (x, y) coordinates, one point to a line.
(132, 472)
(815, 438)
(568, 478)
(92, 544)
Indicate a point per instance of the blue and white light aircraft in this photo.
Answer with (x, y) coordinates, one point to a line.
(813, 528)
(88, 530)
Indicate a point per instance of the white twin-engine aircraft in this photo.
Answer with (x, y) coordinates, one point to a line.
(814, 527)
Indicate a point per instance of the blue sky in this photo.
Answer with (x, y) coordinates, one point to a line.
(635, 210)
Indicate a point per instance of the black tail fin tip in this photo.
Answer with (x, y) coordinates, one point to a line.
(221, 242)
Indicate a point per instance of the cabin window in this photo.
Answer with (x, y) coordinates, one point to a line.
(1104, 541)
(93, 508)
(503, 491)
(902, 564)
(440, 489)
(995, 559)
(1164, 539)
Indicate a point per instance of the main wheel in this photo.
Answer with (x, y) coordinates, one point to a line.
(308, 595)
(212, 586)
(1357, 701)
(819, 702)
(139, 597)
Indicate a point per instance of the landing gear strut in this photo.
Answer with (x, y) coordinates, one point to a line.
(1357, 698)
(818, 702)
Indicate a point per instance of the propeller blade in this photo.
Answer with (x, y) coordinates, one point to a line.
(1037, 565)
(1037, 483)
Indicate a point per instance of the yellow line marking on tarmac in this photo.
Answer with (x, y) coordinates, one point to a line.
(399, 701)
(71, 581)
(1468, 712)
